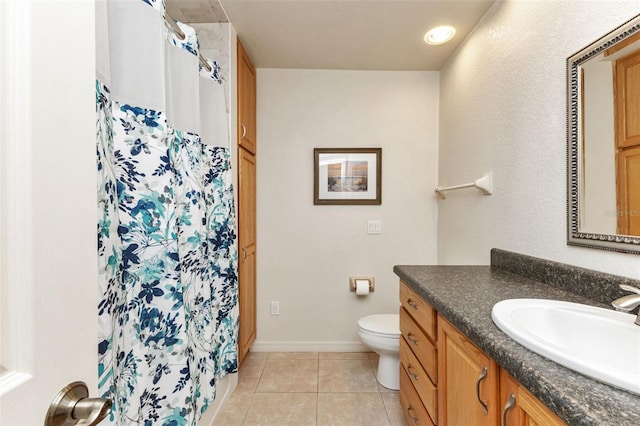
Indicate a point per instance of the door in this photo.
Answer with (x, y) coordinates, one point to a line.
(467, 382)
(629, 191)
(247, 244)
(246, 101)
(48, 274)
(520, 407)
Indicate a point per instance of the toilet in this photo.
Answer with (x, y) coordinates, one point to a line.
(381, 333)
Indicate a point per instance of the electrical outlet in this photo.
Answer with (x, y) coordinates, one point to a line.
(275, 308)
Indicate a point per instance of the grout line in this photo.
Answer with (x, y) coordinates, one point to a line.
(244, 418)
(318, 390)
(318, 376)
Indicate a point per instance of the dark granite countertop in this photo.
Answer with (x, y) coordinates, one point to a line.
(465, 295)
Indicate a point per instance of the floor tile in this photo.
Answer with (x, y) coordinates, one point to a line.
(300, 388)
(281, 409)
(344, 355)
(258, 355)
(249, 374)
(293, 355)
(289, 375)
(394, 409)
(351, 409)
(234, 410)
(346, 376)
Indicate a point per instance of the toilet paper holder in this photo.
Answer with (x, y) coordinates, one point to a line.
(352, 282)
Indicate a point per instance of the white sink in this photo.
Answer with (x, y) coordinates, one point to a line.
(599, 343)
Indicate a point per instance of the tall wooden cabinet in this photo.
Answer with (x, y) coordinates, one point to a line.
(627, 134)
(246, 202)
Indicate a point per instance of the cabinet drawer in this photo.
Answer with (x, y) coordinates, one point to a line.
(426, 390)
(420, 310)
(414, 411)
(423, 347)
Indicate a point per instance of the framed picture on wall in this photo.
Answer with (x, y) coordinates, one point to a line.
(347, 176)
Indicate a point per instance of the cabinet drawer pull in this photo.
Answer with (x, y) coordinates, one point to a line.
(411, 373)
(413, 417)
(481, 377)
(411, 303)
(508, 406)
(244, 131)
(412, 339)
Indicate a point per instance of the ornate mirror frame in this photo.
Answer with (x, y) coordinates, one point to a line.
(613, 242)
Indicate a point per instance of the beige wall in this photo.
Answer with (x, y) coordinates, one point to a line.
(306, 253)
(502, 108)
(598, 214)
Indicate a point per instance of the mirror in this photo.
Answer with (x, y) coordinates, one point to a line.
(603, 142)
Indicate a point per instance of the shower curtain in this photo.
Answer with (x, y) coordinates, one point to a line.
(167, 249)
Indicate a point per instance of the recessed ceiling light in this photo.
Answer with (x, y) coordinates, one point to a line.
(439, 35)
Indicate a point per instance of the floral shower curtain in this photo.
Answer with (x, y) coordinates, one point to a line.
(166, 228)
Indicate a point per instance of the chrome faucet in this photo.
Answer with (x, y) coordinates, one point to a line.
(629, 302)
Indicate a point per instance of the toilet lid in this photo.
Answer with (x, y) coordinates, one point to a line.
(381, 324)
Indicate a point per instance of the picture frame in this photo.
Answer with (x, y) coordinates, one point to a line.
(343, 176)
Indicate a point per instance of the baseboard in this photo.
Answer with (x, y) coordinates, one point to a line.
(289, 346)
(224, 389)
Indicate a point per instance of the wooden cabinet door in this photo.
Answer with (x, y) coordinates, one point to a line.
(247, 252)
(467, 381)
(628, 186)
(627, 100)
(521, 408)
(246, 101)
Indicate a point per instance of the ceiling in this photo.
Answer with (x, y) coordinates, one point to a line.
(339, 34)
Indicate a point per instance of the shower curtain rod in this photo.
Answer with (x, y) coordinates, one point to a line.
(182, 36)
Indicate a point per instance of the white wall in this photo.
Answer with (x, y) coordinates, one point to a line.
(503, 108)
(306, 253)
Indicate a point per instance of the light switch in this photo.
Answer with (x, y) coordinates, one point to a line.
(373, 227)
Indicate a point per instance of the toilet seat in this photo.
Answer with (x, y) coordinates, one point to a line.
(383, 325)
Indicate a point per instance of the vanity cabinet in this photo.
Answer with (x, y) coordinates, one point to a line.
(445, 379)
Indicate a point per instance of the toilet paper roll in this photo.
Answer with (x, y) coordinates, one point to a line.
(362, 287)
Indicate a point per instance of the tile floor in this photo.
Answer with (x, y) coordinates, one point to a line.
(300, 388)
